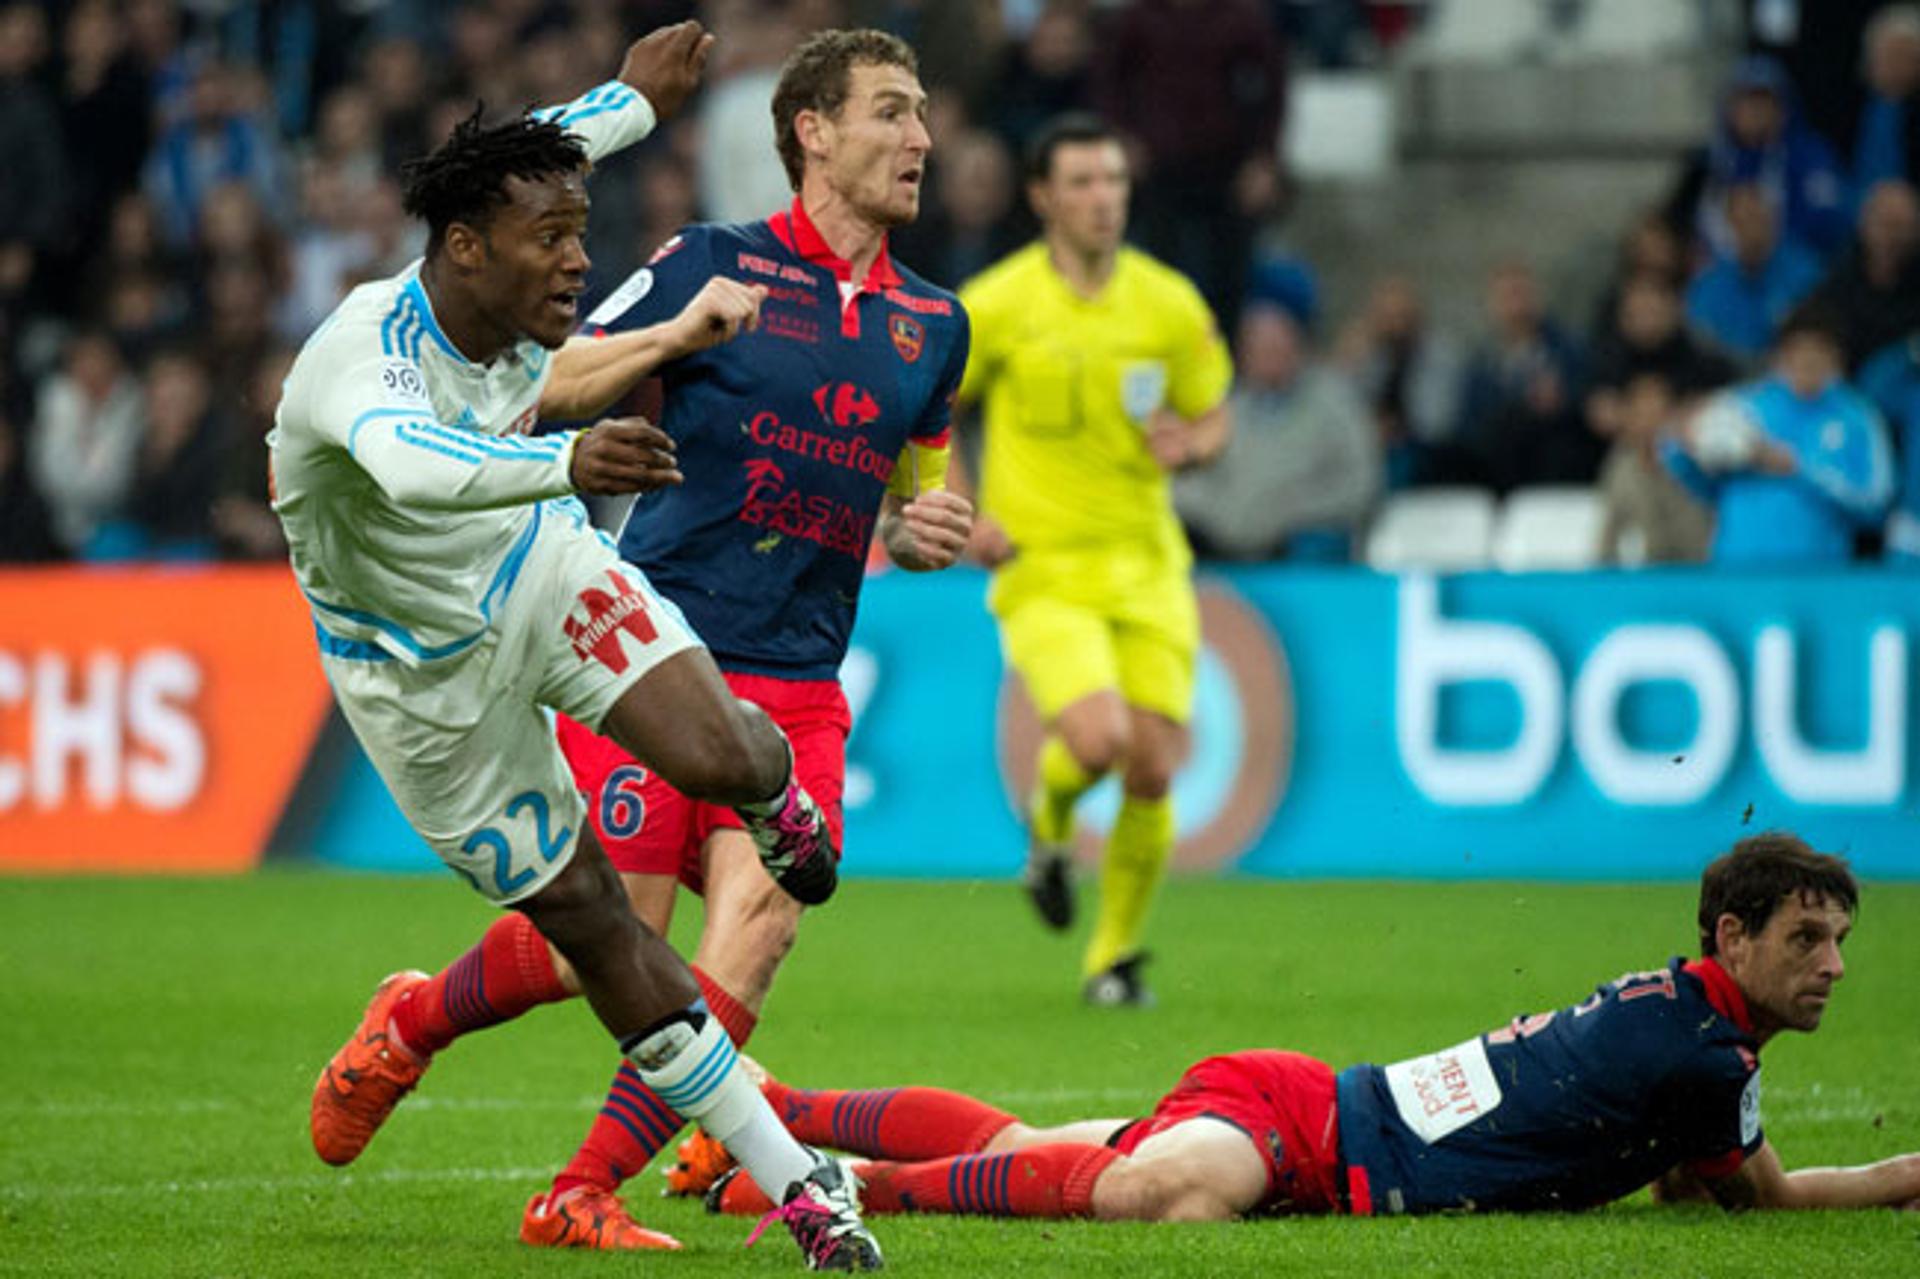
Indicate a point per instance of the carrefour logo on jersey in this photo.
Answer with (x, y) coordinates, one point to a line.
(1661, 710)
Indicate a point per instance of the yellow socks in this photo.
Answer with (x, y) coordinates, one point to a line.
(1131, 871)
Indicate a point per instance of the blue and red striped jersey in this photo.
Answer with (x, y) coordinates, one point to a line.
(787, 436)
(1565, 1109)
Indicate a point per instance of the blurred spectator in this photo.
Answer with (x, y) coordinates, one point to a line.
(105, 121)
(1650, 339)
(215, 142)
(153, 34)
(134, 282)
(970, 222)
(242, 516)
(1520, 415)
(141, 312)
(347, 137)
(26, 533)
(180, 461)
(328, 250)
(668, 200)
(1649, 518)
(396, 75)
(238, 331)
(1738, 302)
(481, 48)
(234, 230)
(1818, 42)
(1875, 290)
(1793, 465)
(33, 209)
(1760, 139)
(1200, 87)
(1886, 141)
(1303, 466)
(1651, 247)
(1045, 75)
(741, 178)
(86, 439)
(393, 238)
(1412, 378)
(958, 42)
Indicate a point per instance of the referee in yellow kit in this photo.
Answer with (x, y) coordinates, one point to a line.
(1099, 371)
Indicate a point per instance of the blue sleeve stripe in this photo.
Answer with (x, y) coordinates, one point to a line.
(412, 433)
(588, 114)
(512, 447)
(353, 432)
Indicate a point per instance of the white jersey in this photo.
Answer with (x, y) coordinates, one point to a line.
(403, 472)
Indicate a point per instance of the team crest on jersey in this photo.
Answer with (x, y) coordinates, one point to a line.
(599, 618)
(908, 337)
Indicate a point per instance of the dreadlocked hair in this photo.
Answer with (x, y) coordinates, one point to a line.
(465, 179)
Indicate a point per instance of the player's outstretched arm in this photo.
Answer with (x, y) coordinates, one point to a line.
(1762, 1183)
(591, 373)
(659, 74)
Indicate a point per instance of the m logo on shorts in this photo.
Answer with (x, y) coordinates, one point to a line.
(598, 618)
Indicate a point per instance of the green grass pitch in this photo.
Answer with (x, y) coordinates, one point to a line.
(158, 1041)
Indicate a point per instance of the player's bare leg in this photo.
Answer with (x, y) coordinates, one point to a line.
(751, 923)
(683, 722)
(1085, 742)
(1199, 1170)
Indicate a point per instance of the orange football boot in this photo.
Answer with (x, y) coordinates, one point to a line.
(587, 1217)
(366, 1079)
(699, 1162)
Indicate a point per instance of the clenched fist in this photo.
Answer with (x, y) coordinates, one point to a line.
(623, 455)
(665, 65)
(717, 313)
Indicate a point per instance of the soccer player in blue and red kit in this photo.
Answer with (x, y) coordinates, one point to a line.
(821, 426)
(1653, 1079)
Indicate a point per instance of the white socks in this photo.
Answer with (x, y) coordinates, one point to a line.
(698, 1074)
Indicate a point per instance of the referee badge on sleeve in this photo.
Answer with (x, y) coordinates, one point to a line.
(1143, 389)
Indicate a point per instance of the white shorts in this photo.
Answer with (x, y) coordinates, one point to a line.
(466, 743)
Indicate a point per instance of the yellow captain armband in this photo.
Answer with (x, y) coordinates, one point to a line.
(921, 469)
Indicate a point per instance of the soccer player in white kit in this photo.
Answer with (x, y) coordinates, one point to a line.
(460, 597)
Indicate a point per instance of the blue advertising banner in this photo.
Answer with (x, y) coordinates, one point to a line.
(1594, 726)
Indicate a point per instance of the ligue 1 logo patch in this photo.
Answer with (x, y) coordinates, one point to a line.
(908, 337)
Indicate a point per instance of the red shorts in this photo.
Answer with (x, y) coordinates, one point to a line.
(1283, 1101)
(649, 828)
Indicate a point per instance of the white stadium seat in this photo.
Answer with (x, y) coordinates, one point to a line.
(1479, 31)
(1548, 527)
(1438, 528)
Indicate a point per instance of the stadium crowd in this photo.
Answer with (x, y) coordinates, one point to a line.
(190, 187)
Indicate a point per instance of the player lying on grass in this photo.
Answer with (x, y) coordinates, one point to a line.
(461, 598)
(1654, 1078)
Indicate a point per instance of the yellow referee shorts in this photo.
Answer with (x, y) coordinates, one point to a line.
(1075, 625)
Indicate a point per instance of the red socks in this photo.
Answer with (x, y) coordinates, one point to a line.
(507, 973)
(1054, 1180)
(888, 1123)
(634, 1125)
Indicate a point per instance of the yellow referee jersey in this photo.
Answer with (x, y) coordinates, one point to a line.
(1068, 385)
